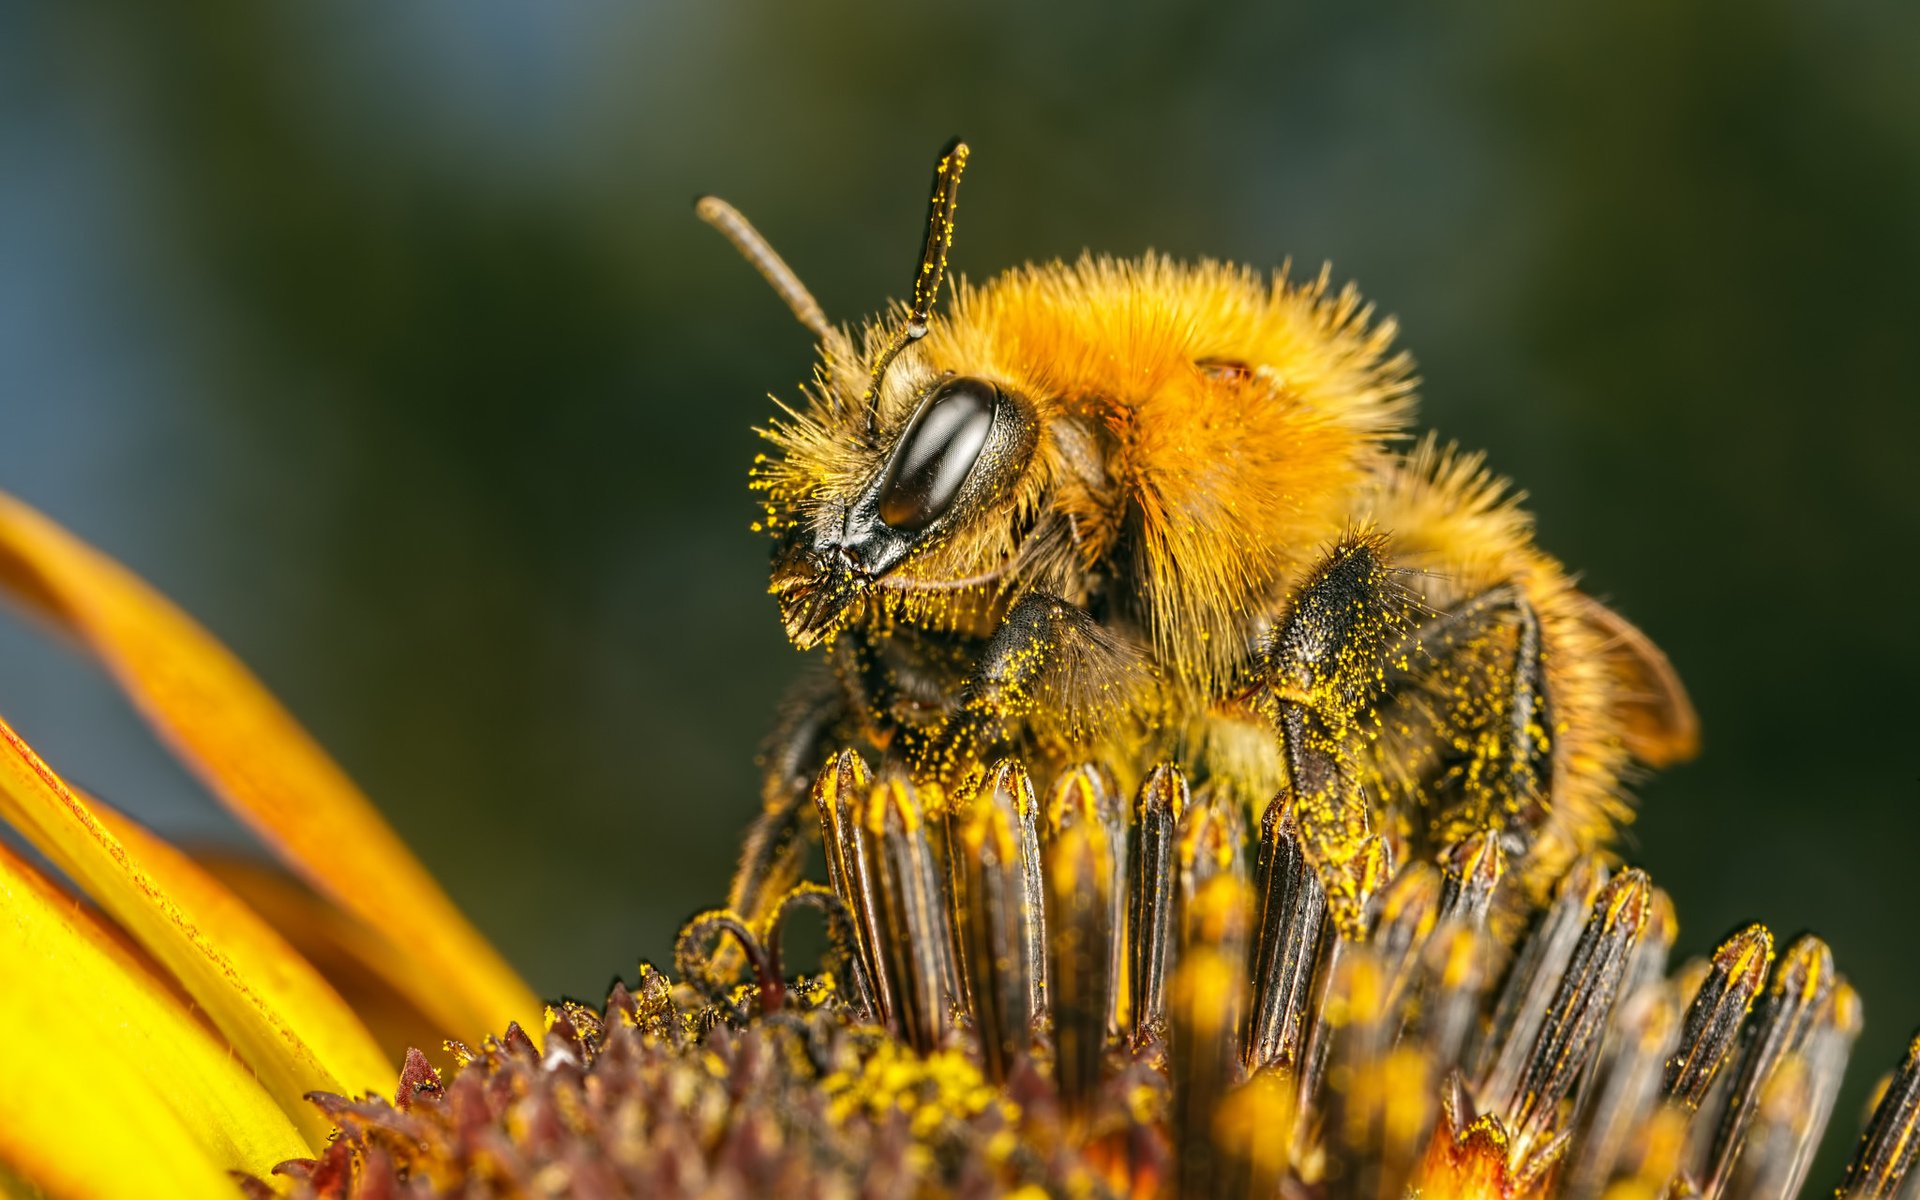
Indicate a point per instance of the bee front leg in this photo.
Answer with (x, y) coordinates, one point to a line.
(811, 719)
(1046, 655)
(1321, 671)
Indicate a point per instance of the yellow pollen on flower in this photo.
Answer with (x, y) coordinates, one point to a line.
(944, 1086)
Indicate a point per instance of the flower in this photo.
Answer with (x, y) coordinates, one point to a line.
(171, 1035)
(1065, 995)
(1025, 992)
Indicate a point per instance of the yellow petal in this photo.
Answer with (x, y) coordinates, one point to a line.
(282, 1018)
(266, 769)
(111, 1087)
(338, 948)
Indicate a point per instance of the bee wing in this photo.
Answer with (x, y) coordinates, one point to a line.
(1657, 720)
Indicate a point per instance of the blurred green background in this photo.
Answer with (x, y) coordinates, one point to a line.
(382, 337)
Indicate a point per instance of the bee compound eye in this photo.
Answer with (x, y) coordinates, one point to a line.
(937, 453)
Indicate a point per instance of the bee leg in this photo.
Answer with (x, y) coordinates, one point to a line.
(1045, 653)
(1467, 723)
(1321, 670)
(811, 717)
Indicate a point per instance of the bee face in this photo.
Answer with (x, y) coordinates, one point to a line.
(952, 464)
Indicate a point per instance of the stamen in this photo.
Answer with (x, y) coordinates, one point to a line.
(1801, 987)
(1780, 1148)
(1373, 864)
(1649, 964)
(1380, 1100)
(1575, 1021)
(1208, 993)
(1739, 969)
(837, 793)
(1210, 845)
(1887, 1151)
(1626, 1088)
(1470, 871)
(1088, 792)
(1293, 909)
(1157, 814)
(1409, 911)
(1080, 938)
(1454, 974)
(1003, 917)
(912, 940)
(1536, 971)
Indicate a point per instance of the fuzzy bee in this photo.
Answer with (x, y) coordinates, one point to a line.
(1137, 510)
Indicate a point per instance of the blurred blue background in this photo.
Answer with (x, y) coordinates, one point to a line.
(382, 337)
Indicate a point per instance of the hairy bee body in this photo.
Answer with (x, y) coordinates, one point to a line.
(1132, 511)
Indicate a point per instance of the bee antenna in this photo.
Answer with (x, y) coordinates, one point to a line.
(932, 269)
(765, 259)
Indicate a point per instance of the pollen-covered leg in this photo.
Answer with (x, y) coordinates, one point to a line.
(1322, 669)
(1466, 724)
(769, 865)
(1047, 656)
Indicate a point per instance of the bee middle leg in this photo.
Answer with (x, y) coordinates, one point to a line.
(1466, 722)
(1322, 670)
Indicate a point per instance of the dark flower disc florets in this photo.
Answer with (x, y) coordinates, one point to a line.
(1090, 998)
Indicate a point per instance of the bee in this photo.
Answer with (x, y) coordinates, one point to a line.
(1129, 511)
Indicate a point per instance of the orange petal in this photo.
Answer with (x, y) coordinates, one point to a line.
(111, 1086)
(336, 945)
(266, 769)
(285, 1022)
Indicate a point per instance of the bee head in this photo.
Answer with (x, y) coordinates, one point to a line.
(854, 498)
(954, 461)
